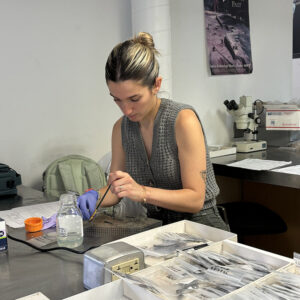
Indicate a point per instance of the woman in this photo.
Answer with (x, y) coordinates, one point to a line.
(159, 152)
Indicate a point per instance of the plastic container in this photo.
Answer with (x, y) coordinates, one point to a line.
(69, 224)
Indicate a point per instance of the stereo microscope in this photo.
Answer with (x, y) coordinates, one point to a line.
(246, 118)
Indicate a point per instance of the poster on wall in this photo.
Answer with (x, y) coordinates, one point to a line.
(228, 36)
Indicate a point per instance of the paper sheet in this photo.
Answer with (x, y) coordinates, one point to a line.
(15, 217)
(35, 296)
(289, 170)
(259, 164)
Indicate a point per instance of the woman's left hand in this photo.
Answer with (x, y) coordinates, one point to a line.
(123, 185)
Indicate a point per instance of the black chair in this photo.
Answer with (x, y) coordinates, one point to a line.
(250, 218)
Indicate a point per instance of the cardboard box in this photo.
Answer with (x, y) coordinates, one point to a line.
(282, 117)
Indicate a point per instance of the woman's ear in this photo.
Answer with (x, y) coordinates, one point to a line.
(157, 85)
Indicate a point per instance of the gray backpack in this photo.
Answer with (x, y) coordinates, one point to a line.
(74, 173)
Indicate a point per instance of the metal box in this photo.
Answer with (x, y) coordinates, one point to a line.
(118, 256)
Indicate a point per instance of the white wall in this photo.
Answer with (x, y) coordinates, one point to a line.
(53, 96)
(271, 41)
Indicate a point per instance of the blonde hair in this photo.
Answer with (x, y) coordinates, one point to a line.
(134, 59)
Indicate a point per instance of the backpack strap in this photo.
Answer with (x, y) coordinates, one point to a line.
(66, 173)
(92, 174)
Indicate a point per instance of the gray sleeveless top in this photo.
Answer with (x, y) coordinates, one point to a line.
(162, 170)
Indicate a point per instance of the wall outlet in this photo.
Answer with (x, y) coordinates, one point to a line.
(126, 267)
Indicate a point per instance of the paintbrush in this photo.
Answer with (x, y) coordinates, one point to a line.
(92, 216)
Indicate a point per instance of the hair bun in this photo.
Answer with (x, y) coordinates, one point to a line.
(134, 59)
(145, 39)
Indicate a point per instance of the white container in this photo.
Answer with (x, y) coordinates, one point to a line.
(278, 262)
(69, 225)
(267, 280)
(207, 232)
(116, 290)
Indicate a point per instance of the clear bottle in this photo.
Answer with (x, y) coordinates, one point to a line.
(69, 225)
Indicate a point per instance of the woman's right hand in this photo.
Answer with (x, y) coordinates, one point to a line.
(123, 185)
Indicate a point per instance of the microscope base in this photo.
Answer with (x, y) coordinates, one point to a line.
(249, 146)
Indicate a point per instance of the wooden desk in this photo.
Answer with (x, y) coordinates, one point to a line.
(277, 191)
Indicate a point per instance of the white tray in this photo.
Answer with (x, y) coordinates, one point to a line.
(280, 263)
(209, 233)
(116, 290)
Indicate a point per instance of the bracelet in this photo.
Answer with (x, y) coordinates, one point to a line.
(144, 199)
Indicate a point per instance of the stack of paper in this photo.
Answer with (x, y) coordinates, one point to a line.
(289, 170)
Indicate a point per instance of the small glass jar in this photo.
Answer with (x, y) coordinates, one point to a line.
(69, 224)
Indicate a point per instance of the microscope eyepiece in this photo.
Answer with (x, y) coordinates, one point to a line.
(227, 104)
(231, 105)
(234, 105)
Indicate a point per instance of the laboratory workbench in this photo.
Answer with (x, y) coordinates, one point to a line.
(220, 165)
(24, 270)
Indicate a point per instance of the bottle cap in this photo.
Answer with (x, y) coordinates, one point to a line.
(33, 224)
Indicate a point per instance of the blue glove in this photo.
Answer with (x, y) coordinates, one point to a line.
(49, 222)
(87, 203)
